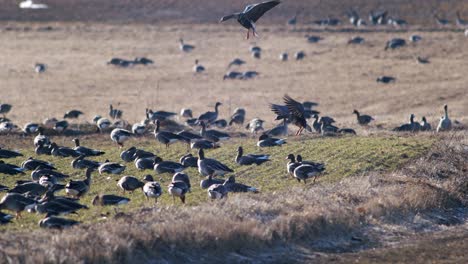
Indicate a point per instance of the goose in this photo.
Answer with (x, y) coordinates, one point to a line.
(188, 160)
(425, 126)
(397, 22)
(255, 48)
(294, 111)
(109, 199)
(211, 167)
(7, 127)
(300, 55)
(238, 117)
(138, 129)
(313, 39)
(143, 61)
(213, 135)
(209, 117)
(461, 22)
(151, 189)
(265, 141)
(165, 137)
(328, 129)
(7, 154)
(82, 163)
(84, 150)
(236, 62)
(115, 113)
(255, 125)
(189, 136)
(129, 183)
(119, 136)
(5, 109)
(317, 125)
(256, 54)
(415, 38)
(251, 14)
(378, 17)
(198, 68)
(441, 21)
(61, 126)
(292, 21)
(306, 171)
(10, 169)
(220, 123)
(386, 79)
(395, 43)
(144, 163)
(32, 164)
(40, 67)
(167, 166)
(312, 163)
(353, 17)
(409, 127)
(63, 151)
(217, 191)
(17, 203)
(284, 56)
(56, 208)
(79, 188)
(232, 75)
(292, 164)
(48, 181)
(208, 181)
(72, 114)
(5, 218)
(39, 172)
(445, 123)
(347, 131)
(203, 144)
(363, 120)
(111, 168)
(179, 189)
(186, 113)
(249, 75)
(29, 4)
(30, 128)
(179, 176)
(54, 222)
(279, 130)
(232, 186)
(356, 40)
(129, 154)
(101, 123)
(33, 189)
(422, 60)
(159, 115)
(185, 47)
(43, 150)
(250, 159)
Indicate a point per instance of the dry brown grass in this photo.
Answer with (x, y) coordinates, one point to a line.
(357, 213)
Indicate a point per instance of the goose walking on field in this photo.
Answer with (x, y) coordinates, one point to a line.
(198, 68)
(17, 203)
(79, 188)
(119, 136)
(179, 189)
(363, 120)
(152, 189)
(165, 137)
(251, 14)
(306, 171)
(445, 123)
(211, 167)
(209, 117)
(185, 47)
(84, 150)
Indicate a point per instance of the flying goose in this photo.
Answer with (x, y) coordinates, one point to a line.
(179, 189)
(151, 189)
(129, 183)
(265, 141)
(84, 150)
(10, 169)
(30, 128)
(209, 117)
(386, 79)
(115, 113)
(188, 160)
(7, 154)
(40, 67)
(79, 188)
(251, 14)
(5, 109)
(198, 68)
(236, 62)
(203, 144)
(185, 47)
(111, 168)
(54, 222)
(82, 163)
(165, 137)
(32, 164)
(109, 199)
(119, 136)
(211, 167)
(294, 111)
(213, 135)
(167, 166)
(72, 114)
(306, 171)
(363, 120)
(395, 43)
(445, 123)
(179, 176)
(250, 159)
(425, 126)
(217, 191)
(63, 151)
(17, 203)
(409, 127)
(232, 186)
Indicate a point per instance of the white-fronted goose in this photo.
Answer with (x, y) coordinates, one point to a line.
(167, 166)
(203, 144)
(64, 152)
(233, 75)
(17, 203)
(209, 117)
(10, 169)
(84, 150)
(356, 40)
(347, 131)
(79, 188)
(445, 123)
(279, 130)
(38, 173)
(185, 47)
(208, 181)
(101, 123)
(220, 123)
(232, 186)
(300, 55)
(30, 128)
(251, 14)
(54, 222)
(211, 166)
(48, 181)
(306, 171)
(7, 154)
(129, 183)
(144, 163)
(213, 135)
(441, 21)
(152, 189)
(313, 39)
(265, 141)
(5, 109)
(189, 136)
(34, 189)
(159, 115)
(32, 164)
(179, 176)
(395, 43)
(188, 160)
(217, 191)
(363, 120)
(56, 208)
(256, 54)
(143, 61)
(72, 114)
(115, 113)
(179, 189)
(40, 67)
(238, 117)
(250, 159)
(61, 126)
(236, 62)
(129, 154)
(165, 137)
(82, 163)
(109, 199)
(386, 79)
(198, 68)
(111, 168)
(119, 136)
(409, 127)
(425, 126)
(295, 113)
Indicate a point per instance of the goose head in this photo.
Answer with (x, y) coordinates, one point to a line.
(291, 157)
(148, 178)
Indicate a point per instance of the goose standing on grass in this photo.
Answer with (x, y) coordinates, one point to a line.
(233, 75)
(152, 189)
(265, 141)
(79, 188)
(165, 137)
(279, 130)
(306, 171)
(129, 184)
(251, 14)
(363, 120)
(445, 123)
(115, 113)
(119, 136)
(232, 186)
(179, 189)
(179, 176)
(17, 203)
(211, 167)
(185, 47)
(109, 199)
(61, 126)
(292, 164)
(425, 126)
(198, 68)
(111, 168)
(84, 150)
(250, 159)
(237, 117)
(209, 117)
(217, 191)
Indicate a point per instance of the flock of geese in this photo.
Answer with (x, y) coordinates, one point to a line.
(38, 194)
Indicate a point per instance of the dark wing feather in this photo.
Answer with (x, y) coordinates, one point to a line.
(296, 108)
(254, 12)
(280, 110)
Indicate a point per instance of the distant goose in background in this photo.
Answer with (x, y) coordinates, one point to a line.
(198, 68)
(5, 108)
(211, 167)
(386, 79)
(54, 222)
(130, 183)
(249, 75)
(378, 18)
(425, 126)
(422, 60)
(109, 199)
(165, 137)
(363, 120)
(7, 154)
(217, 191)
(232, 75)
(347, 131)
(395, 43)
(185, 47)
(159, 115)
(5, 218)
(255, 125)
(40, 67)
(84, 150)
(266, 141)
(255, 48)
(441, 21)
(186, 113)
(250, 159)
(61, 126)
(209, 117)
(353, 17)
(461, 22)
(256, 54)
(29, 4)
(300, 55)
(30, 128)
(292, 21)
(121, 62)
(284, 56)
(115, 113)
(356, 40)
(397, 22)
(445, 123)
(79, 188)
(179, 189)
(251, 14)
(72, 114)
(415, 38)
(313, 39)
(236, 62)
(409, 127)
(220, 123)
(111, 168)
(143, 61)
(151, 189)
(119, 136)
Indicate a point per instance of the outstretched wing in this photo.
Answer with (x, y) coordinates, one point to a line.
(296, 108)
(281, 111)
(255, 11)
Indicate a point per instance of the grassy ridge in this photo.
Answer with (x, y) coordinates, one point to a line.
(346, 156)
